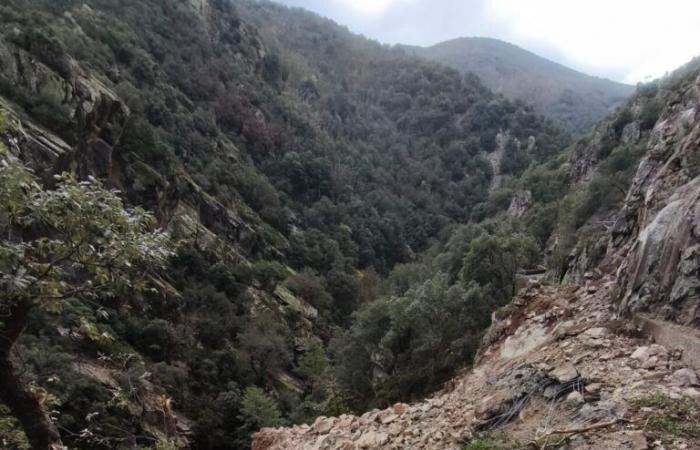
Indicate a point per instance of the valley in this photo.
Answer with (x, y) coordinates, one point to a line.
(234, 223)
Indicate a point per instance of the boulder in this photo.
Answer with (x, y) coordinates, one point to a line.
(323, 425)
(684, 378)
(564, 374)
(596, 332)
(400, 409)
(574, 398)
(372, 439)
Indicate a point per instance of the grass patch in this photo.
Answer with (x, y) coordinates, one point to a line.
(672, 417)
(483, 444)
(492, 441)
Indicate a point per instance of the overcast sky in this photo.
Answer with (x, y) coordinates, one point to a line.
(625, 40)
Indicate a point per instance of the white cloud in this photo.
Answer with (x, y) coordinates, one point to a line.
(639, 38)
(367, 6)
(626, 40)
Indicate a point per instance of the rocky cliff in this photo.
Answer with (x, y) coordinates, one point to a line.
(658, 231)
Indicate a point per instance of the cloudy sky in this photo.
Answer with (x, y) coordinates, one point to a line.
(625, 40)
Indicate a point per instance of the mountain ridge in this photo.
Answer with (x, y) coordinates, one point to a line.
(574, 98)
(347, 221)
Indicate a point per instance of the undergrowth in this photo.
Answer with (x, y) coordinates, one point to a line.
(672, 418)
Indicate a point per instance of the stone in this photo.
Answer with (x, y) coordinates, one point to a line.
(593, 388)
(684, 378)
(634, 440)
(596, 332)
(395, 429)
(564, 374)
(372, 439)
(524, 341)
(322, 425)
(650, 362)
(521, 202)
(641, 354)
(658, 350)
(386, 418)
(574, 398)
(345, 421)
(491, 406)
(692, 393)
(400, 409)
(601, 411)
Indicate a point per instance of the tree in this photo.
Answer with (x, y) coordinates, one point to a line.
(314, 363)
(76, 240)
(259, 409)
(265, 345)
(494, 260)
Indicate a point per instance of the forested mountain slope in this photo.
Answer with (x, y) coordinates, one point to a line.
(609, 358)
(577, 100)
(295, 167)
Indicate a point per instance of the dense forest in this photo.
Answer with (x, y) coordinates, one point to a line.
(575, 100)
(311, 222)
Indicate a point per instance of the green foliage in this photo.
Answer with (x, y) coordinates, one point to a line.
(259, 409)
(314, 364)
(483, 444)
(89, 235)
(268, 273)
(650, 113)
(430, 326)
(264, 346)
(334, 167)
(574, 99)
(493, 261)
(672, 418)
(309, 287)
(11, 435)
(547, 184)
(3, 123)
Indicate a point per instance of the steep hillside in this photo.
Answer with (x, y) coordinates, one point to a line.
(559, 371)
(296, 168)
(590, 365)
(575, 99)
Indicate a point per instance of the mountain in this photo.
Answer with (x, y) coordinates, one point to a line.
(575, 99)
(294, 168)
(220, 216)
(607, 359)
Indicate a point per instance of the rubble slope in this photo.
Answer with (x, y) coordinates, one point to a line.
(558, 367)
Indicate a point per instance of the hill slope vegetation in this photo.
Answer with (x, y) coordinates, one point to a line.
(335, 237)
(576, 100)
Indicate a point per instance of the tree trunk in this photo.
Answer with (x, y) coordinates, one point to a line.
(41, 432)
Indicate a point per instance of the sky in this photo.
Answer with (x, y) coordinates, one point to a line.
(624, 40)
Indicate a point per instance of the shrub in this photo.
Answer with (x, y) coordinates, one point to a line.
(259, 409)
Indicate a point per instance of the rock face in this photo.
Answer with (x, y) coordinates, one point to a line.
(584, 369)
(94, 116)
(657, 236)
(521, 202)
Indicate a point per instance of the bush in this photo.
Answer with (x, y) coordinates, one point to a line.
(259, 409)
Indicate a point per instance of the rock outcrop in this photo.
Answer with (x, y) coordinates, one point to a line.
(657, 236)
(91, 116)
